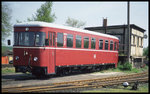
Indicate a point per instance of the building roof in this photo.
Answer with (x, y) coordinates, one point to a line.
(45, 24)
(115, 27)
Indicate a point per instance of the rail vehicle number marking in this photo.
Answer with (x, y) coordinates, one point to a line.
(94, 56)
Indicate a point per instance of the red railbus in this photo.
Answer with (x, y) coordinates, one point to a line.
(45, 48)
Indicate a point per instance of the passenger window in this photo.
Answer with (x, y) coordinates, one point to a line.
(111, 45)
(115, 46)
(100, 44)
(60, 39)
(106, 44)
(86, 42)
(69, 40)
(54, 39)
(93, 41)
(51, 37)
(78, 41)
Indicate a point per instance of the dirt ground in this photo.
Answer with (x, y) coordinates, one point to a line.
(19, 79)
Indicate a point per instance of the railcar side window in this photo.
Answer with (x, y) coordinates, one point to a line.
(60, 39)
(86, 42)
(106, 44)
(69, 40)
(78, 41)
(115, 46)
(111, 45)
(93, 41)
(54, 39)
(100, 44)
(40, 39)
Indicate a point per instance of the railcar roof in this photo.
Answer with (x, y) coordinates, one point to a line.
(45, 24)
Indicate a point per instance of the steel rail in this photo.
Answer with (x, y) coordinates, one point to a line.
(85, 85)
(74, 84)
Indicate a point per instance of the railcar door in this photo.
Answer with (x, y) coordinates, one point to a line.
(52, 50)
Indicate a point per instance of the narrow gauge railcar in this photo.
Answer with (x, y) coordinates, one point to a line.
(45, 48)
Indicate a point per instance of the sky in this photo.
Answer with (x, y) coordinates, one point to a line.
(92, 13)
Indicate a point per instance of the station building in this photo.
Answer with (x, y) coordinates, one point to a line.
(136, 41)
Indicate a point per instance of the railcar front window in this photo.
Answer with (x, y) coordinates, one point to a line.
(29, 38)
(26, 38)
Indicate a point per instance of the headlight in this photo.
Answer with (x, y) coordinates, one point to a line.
(35, 58)
(17, 57)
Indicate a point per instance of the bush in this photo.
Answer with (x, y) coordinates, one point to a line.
(125, 66)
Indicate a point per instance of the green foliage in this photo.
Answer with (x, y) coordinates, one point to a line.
(146, 52)
(5, 49)
(125, 66)
(44, 13)
(6, 18)
(8, 70)
(74, 23)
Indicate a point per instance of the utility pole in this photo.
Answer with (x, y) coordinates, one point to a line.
(105, 24)
(128, 22)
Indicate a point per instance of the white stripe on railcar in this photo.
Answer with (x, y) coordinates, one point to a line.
(66, 49)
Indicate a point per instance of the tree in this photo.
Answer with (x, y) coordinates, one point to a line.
(146, 52)
(44, 13)
(74, 23)
(6, 17)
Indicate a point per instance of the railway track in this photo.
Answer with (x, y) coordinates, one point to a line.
(116, 80)
(7, 65)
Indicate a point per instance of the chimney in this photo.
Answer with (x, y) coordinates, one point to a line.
(104, 22)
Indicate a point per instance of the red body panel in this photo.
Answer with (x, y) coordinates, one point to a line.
(51, 57)
(81, 57)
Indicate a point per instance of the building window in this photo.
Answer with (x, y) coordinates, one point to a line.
(86, 42)
(111, 45)
(60, 39)
(93, 41)
(78, 41)
(133, 39)
(69, 40)
(106, 44)
(141, 41)
(100, 44)
(137, 41)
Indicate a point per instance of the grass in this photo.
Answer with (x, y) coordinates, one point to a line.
(8, 70)
(143, 88)
(133, 70)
